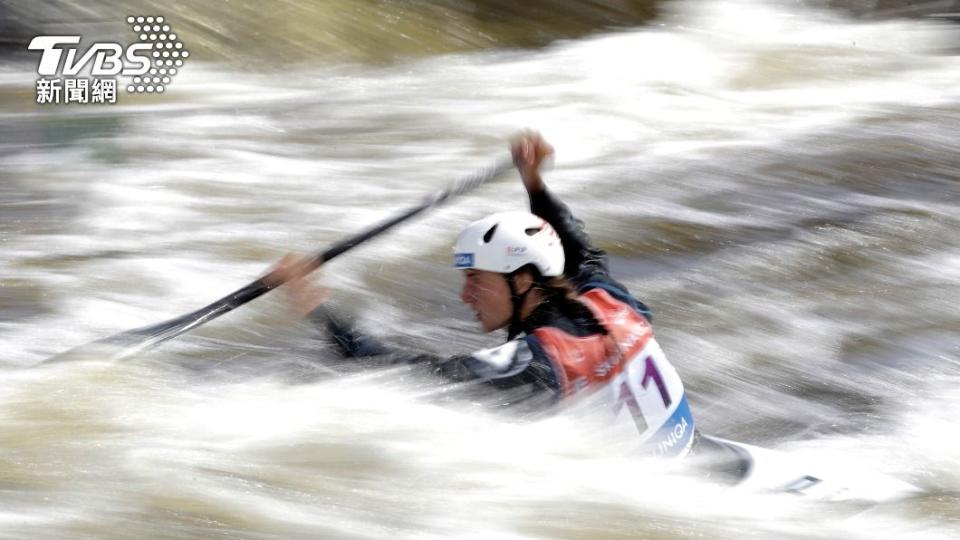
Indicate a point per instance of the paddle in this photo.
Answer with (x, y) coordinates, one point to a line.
(139, 339)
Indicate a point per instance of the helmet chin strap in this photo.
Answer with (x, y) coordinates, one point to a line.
(517, 300)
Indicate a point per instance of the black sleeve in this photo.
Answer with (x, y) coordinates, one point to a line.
(521, 370)
(585, 265)
(582, 259)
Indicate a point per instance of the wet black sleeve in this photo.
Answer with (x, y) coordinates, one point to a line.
(586, 266)
(516, 367)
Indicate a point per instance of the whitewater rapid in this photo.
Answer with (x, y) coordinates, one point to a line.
(778, 183)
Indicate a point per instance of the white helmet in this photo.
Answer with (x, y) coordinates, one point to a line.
(507, 241)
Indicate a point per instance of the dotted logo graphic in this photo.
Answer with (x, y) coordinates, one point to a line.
(168, 54)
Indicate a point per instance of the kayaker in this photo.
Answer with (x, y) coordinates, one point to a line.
(571, 327)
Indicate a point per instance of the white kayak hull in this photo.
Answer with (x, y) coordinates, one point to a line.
(760, 469)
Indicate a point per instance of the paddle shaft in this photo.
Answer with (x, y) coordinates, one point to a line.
(146, 337)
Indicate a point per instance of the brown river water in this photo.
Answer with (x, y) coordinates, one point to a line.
(778, 182)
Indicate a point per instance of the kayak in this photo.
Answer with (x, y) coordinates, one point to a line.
(753, 468)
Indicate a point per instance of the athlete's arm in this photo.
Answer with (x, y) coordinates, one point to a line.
(585, 265)
(582, 259)
(519, 366)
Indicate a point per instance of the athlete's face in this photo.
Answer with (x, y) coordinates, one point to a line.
(488, 294)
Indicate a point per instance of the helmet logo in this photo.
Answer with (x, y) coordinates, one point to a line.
(463, 260)
(516, 251)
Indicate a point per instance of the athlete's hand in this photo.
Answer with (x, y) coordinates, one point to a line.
(292, 271)
(529, 151)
